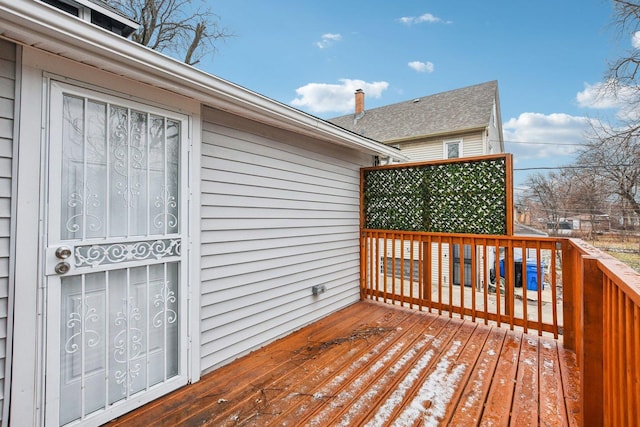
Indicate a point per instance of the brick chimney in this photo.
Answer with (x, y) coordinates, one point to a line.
(359, 101)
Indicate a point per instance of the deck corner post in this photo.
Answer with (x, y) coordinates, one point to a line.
(591, 368)
(570, 301)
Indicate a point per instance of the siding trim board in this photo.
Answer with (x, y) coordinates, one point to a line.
(8, 155)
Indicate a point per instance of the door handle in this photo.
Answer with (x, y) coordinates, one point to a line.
(59, 259)
(62, 267)
(63, 252)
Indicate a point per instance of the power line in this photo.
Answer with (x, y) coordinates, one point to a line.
(624, 165)
(545, 143)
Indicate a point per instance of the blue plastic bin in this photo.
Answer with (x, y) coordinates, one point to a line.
(532, 273)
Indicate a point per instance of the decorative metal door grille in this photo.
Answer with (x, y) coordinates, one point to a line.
(119, 336)
(120, 215)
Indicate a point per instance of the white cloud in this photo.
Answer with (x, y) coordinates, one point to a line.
(328, 39)
(623, 99)
(539, 136)
(593, 96)
(338, 98)
(421, 67)
(427, 17)
(635, 40)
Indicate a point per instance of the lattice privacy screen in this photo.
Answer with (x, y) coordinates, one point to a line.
(460, 197)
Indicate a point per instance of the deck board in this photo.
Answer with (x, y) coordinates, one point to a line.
(470, 407)
(525, 397)
(376, 364)
(571, 385)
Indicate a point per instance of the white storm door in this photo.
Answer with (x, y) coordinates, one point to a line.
(115, 258)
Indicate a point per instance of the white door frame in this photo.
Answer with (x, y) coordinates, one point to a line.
(52, 280)
(36, 71)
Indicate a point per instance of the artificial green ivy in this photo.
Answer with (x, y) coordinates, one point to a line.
(460, 197)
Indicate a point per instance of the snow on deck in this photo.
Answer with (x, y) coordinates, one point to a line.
(381, 365)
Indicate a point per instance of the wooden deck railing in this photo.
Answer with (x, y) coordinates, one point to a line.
(569, 289)
(602, 315)
(506, 280)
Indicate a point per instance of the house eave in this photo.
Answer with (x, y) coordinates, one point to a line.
(30, 24)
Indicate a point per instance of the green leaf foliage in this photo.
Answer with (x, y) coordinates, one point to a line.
(459, 197)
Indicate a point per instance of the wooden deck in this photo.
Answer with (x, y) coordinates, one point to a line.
(377, 364)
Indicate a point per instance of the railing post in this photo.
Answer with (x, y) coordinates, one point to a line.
(570, 302)
(591, 367)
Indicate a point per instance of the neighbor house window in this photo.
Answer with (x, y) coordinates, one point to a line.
(453, 149)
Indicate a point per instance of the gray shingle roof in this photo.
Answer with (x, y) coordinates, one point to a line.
(466, 108)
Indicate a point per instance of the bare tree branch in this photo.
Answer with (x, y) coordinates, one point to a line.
(175, 27)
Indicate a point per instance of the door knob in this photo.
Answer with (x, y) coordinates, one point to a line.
(62, 267)
(63, 252)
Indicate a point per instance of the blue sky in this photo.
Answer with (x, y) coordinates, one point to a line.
(548, 57)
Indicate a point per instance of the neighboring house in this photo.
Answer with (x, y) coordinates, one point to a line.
(463, 122)
(156, 222)
(459, 123)
(585, 223)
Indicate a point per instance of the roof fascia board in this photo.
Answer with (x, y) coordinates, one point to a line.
(24, 20)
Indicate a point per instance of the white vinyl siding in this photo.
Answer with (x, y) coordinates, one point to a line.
(423, 151)
(280, 214)
(7, 95)
(471, 145)
(494, 137)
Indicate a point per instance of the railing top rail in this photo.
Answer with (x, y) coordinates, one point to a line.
(439, 162)
(492, 237)
(627, 279)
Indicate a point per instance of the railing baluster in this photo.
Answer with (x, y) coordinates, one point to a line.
(450, 276)
(375, 270)
(607, 351)
(622, 392)
(411, 264)
(421, 271)
(525, 289)
(429, 273)
(487, 279)
(498, 284)
(540, 283)
(554, 292)
(629, 360)
(363, 264)
(385, 268)
(510, 296)
(394, 258)
(474, 277)
(439, 275)
(635, 358)
(378, 266)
